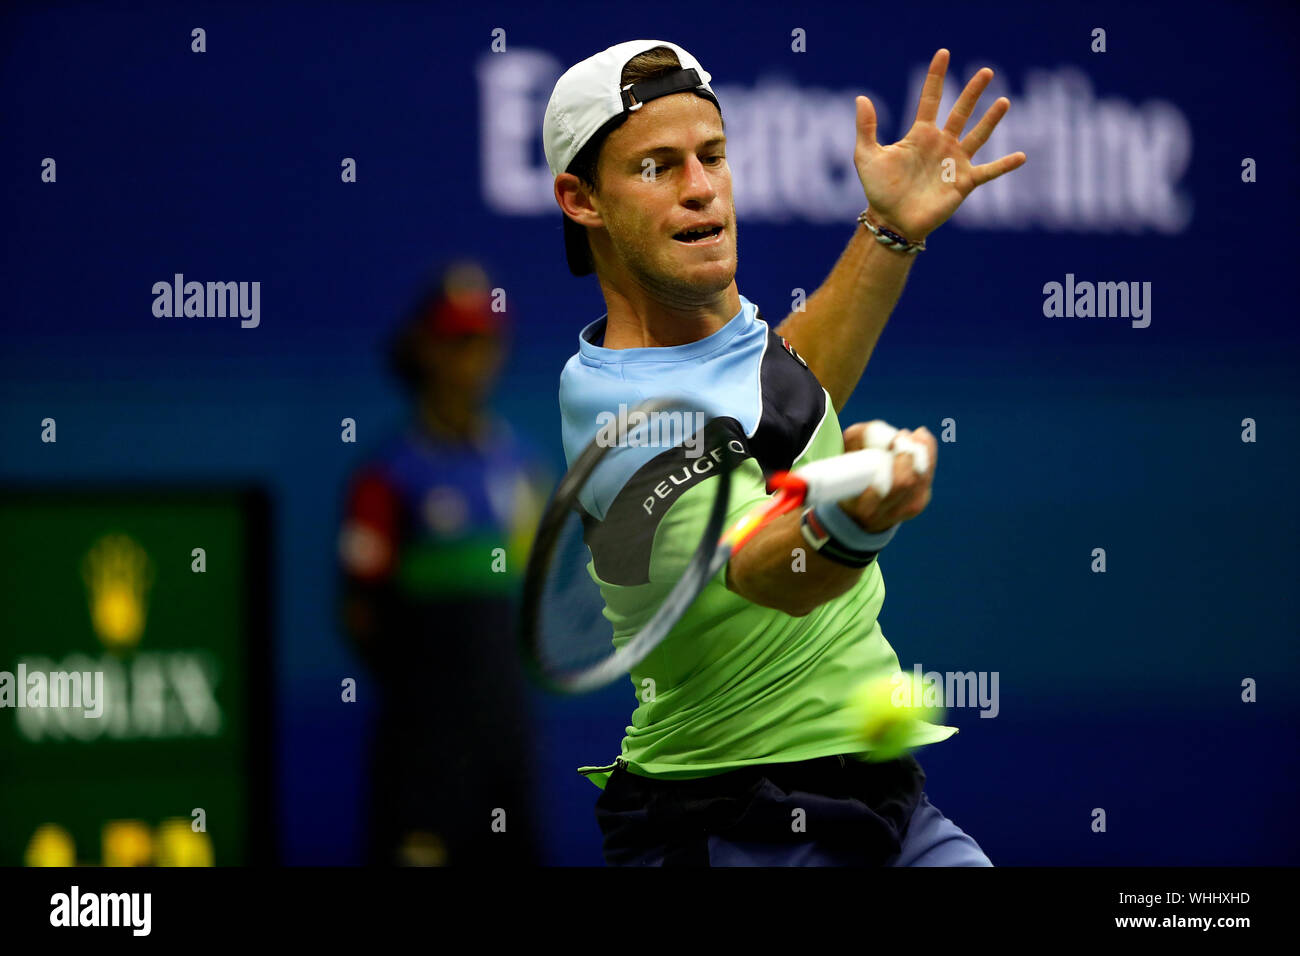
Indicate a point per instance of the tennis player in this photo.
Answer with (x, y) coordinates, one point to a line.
(739, 751)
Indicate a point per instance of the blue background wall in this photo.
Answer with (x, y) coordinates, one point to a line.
(1118, 690)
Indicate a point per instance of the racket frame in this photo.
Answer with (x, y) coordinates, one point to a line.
(707, 559)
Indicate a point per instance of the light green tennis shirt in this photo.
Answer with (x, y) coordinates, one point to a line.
(733, 683)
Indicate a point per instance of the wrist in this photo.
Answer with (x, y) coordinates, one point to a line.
(885, 222)
(891, 236)
(837, 537)
(843, 515)
(850, 531)
(829, 547)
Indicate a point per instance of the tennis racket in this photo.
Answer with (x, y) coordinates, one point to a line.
(577, 633)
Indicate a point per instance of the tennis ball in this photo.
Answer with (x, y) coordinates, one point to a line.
(885, 711)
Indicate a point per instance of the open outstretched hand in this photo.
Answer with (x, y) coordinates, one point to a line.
(915, 185)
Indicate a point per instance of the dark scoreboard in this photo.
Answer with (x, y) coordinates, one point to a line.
(134, 682)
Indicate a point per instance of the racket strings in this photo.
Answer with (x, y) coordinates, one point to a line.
(593, 609)
(574, 630)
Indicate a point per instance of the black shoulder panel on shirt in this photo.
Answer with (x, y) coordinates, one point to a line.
(621, 544)
(793, 406)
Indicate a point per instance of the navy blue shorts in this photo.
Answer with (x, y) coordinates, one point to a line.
(831, 811)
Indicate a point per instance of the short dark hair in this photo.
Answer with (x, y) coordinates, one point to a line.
(586, 165)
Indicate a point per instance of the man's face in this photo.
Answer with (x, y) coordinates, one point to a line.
(465, 366)
(644, 215)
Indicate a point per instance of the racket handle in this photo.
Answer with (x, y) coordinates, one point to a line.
(848, 475)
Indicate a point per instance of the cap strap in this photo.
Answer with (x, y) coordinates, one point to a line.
(636, 95)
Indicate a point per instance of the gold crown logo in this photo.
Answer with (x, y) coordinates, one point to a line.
(118, 575)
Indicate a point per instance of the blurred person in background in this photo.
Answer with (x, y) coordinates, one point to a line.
(434, 542)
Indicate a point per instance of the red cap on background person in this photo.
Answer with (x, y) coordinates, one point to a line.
(461, 304)
(469, 314)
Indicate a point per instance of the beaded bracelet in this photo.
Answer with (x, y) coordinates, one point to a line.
(891, 239)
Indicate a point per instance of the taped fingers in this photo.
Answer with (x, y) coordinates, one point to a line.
(884, 436)
(916, 450)
(879, 434)
(910, 491)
